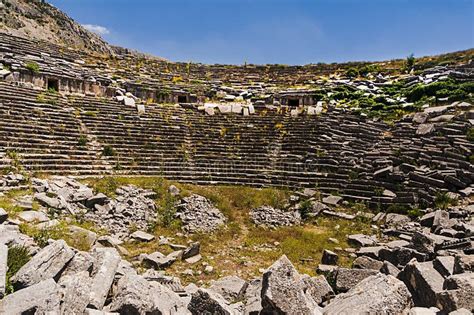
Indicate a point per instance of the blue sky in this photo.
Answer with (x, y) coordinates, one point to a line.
(280, 31)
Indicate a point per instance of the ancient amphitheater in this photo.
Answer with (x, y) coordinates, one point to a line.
(136, 185)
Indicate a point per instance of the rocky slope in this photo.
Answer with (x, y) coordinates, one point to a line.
(39, 20)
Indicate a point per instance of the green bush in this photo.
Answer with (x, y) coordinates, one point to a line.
(305, 209)
(82, 141)
(108, 151)
(352, 72)
(18, 256)
(410, 62)
(32, 66)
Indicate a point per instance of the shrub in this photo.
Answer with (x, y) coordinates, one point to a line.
(410, 62)
(305, 209)
(18, 256)
(32, 66)
(352, 72)
(82, 141)
(443, 200)
(108, 151)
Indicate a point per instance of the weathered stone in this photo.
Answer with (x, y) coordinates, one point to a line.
(348, 278)
(232, 288)
(365, 262)
(48, 263)
(423, 311)
(74, 292)
(3, 215)
(423, 281)
(192, 250)
(389, 269)
(318, 287)
(199, 215)
(283, 291)
(463, 263)
(87, 237)
(142, 236)
(33, 216)
(3, 268)
(361, 240)
(329, 258)
(253, 299)
(444, 265)
(332, 200)
(207, 302)
(105, 266)
(459, 294)
(43, 298)
(98, 199)
(135, 295)
(375, 294)
(394, 219)
(271, 217)
(48, 201)
(157, 260)
(82, 261)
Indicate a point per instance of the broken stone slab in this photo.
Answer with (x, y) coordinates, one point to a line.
(252, 298)
(33, 216)
(232, 288)
(329, 257)
(459, 292)
(91, 311)
(82, 261)
(389, 269)
(283, 291)
(74, 290)
(142, 236)
(3, 268)
(425, 129)
(318, 287)
(207, 302)
(423, 311)
(444, 265)
(46, 264)
(463, 263)
(332, 200)
(375, 294)
(361, 240)
(3, 215)
(394, 219)
(46, 201)
(192, 250)
(105, 266)
(98, 199)
(423, 281)
(400, 256)
(135, 295)
(341, 215)
(43, 298)
(348, 278)
(365, 262)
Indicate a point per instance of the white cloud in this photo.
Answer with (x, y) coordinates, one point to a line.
(96, 29)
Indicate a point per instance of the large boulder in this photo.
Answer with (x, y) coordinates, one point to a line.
(423, 281)
(378, 294)
(75, 292)
(135, 295)
(283, 291)
(318, 287)
(41, 298)
(46, 264)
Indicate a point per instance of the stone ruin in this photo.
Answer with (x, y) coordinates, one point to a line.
(78, 119)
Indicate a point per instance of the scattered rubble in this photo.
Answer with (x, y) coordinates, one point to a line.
(199, 215)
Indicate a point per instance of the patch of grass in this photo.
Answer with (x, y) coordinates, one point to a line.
(444, 201)
(18, 256)
(33, 67)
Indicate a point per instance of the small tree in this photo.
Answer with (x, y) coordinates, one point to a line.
(410, 62)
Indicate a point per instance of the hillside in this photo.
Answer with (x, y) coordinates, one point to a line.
(35, 19)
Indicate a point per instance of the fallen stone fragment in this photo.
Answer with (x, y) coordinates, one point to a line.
(232, 288)
(43, 298)
(192, 250)
(283, 291)
(377, 294)
(423, 311)
(444, 265)
(365, 262)
(389, 269)
(318, 287)
(463, 263)
(253, 299)
(459, 293)
(332, 200)
(3, 268)
(3, 215)
(329, 258)
(44, 265)
(207, 302)
(423, 281)
(142, 236)
(272, 217)
(82, 261)
(347, 278)
(33, 216)
(105, 266)
(135, 295)
(361, 240)
(74, 292)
